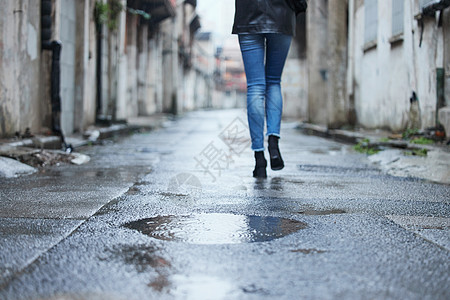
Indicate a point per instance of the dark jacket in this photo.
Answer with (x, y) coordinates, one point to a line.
(263, 16)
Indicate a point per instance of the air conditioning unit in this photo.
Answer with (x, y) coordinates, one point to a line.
(431, 6)
(426, 3)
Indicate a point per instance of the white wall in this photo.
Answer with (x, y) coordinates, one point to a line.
(386, 76)
(20, 53)
(294, 88)
(68, 37)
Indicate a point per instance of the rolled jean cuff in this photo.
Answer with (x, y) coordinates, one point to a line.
(275, 134)
(258, 149)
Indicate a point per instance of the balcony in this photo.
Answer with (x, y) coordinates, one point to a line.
(158, 10)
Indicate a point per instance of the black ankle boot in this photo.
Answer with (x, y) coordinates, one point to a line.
(276, 162)
(260, 166)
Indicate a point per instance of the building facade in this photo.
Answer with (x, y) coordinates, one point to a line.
(398, 61)
(69, 64)
(371, 63)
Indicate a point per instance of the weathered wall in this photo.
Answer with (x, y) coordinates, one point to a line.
(337, 107)
(446, 54)
(327, 41)
(294, 81)
(68, 37)
(141, 69)
(428, 58)
(294, 86)
(153, 98)
(386, 75)
(130, 102)
(144, 106)
(85, 66)
(205, 61)
(114, 70)
(19, 67)
(121, 104)
(317, 24)
(169, 65)
(89, 91)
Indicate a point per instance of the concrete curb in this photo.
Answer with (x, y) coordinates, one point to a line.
(434, 167)
(351, 137)
(92, 136)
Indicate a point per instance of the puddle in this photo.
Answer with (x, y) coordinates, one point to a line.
(216, 228)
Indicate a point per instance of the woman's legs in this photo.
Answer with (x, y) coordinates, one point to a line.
(276, 53)
(264, 92)
(253, 51)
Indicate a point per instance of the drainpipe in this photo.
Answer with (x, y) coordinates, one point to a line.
(98, 109)
(55, 47)
(352, 119)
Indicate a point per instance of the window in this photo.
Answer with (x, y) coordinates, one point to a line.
(370, 21)
(397, 17)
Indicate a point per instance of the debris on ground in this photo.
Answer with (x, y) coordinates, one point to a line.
(41, 158)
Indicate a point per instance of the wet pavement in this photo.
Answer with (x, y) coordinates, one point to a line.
(175, 214)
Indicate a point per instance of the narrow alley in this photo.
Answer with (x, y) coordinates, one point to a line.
(174, 213)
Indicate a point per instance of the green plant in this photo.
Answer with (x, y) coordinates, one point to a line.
(101, 13)
(108, 13)
(422, 141)
(364, 146)
(115, 7)
(384, 140)
(408, 133)
(417, 152)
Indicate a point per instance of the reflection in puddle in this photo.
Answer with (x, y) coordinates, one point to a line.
(216, 228)
(276, 183)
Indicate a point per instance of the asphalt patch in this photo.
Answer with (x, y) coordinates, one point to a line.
(312, 212)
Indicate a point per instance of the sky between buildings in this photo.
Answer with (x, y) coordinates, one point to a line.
(216, 16)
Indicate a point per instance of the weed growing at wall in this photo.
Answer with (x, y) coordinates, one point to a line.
(422, 141)
(108, 13)
(364, 146)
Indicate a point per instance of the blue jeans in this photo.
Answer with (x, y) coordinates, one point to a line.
(264, 56)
